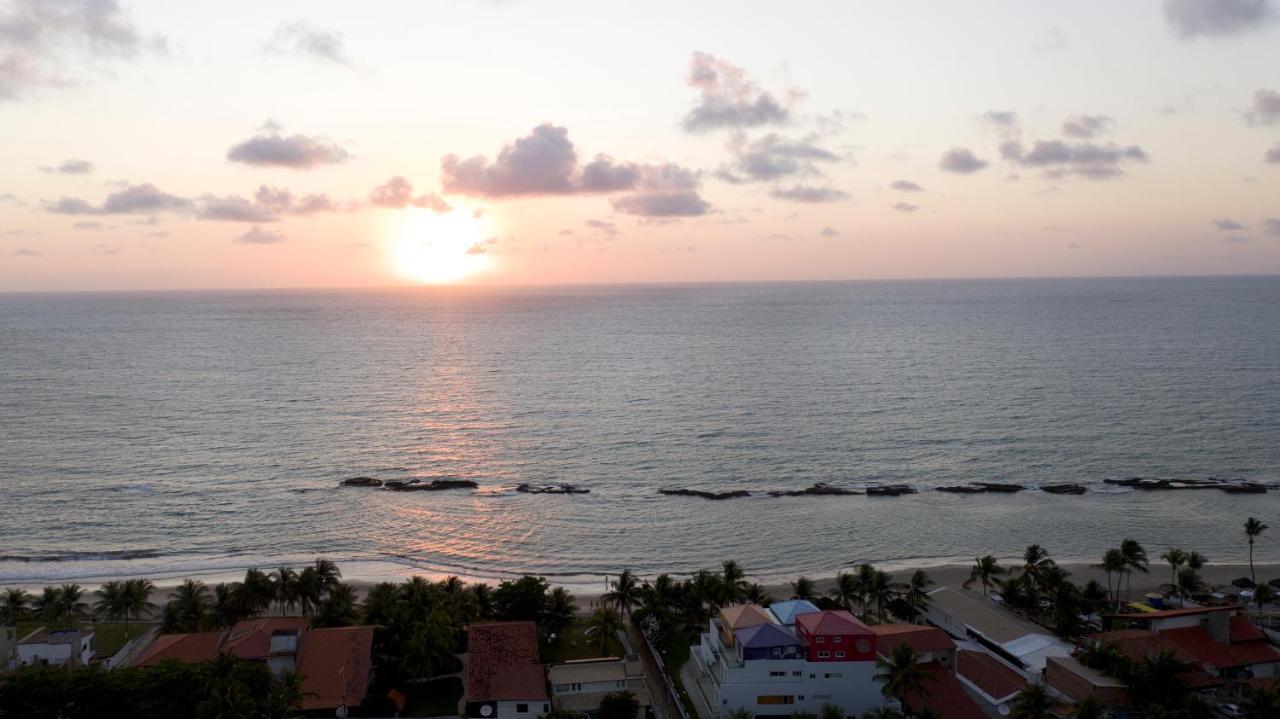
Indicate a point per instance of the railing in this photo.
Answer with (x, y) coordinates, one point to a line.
(665, 676)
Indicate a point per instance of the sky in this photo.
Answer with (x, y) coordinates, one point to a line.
(153, 144)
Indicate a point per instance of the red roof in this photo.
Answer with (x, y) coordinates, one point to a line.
(989, 674)
(944, 695)
(831, 622)
(336, 666)
(1243, 630)
(192, 648)
(1139, 644)
(1197, 642)
(1181, 612)
(920, 638)
(252, 639)
(502, 663)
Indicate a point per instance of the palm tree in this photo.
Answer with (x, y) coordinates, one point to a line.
(71, 599)
(1090, 708)
(1264, 594)
(733, 583)
(188, 605)
(900, 675)
(308, 590)
(452, 585)
(705, 587)
(14, 606)
(1189, 584)
(1094, 596)
(284, 583)
(1113, 561)
(1031, 703)
(831, 711)
(258, 590)
(483, 594)
(625, 593)
(137, 600)
(338, 608)
(1135, 559)
(985, 569)
(880, 592)
(1196, 561)
(1035, 559)
(865, 579)
(803, 588)
(1175, 558)
(845, 591)
(48, 605)
(604, 624)
(917, 594)
(111, 601)
(561, 611)
(227, 607)
(1253, 528)
(756, 594)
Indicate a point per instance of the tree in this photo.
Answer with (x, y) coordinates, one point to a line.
(338, 608)
(1094, 596)
(1090, 708)
(284, 588)
(48, 605)
(803, 588)
(625, 592)
(1031, 703)
(258, 591)
(523, 599)
(1189, 583)
(1261, 703)
(137, 600)
(900, 675)
(308, 590)
(14, 606)
(985, 569)
(110, 604)
(757, 595)
(880, 592)
(71, 601)
(1253, 528)
(1135, 560)
(733, 583)
(830, 711)
(1263, 594)
(866, 577)
(1113, 562)
(603, 626)
(483, 595)
(845, 591)
(619, 705)
(1175, 558)
(561, 612)
(185, 611)
(430, 647)
(917, 594)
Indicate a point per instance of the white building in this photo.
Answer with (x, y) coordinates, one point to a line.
(58, 648)
(8, 646)
(504, 678)
(579, 686)
(969, 616)
(748, 660)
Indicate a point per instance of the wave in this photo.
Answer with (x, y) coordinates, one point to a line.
(83, 556)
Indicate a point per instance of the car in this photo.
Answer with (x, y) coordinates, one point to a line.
(1231, 711)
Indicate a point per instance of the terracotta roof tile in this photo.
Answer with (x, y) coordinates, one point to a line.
(192, 648)
(252, 639)
(945, 696)
(502, 663)
(335, 665)
(920, 638)
(988, 674)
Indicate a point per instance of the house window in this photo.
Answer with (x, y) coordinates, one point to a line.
(833, 675)
(796, 674)
(522, 708)
(777, 674)
(821, 639)
(836, 640)
(776, 699)
(561, 687)
(839, 655)
(824, 655)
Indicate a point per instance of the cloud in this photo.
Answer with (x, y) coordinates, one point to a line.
(545, 162)
(1226, 224)
(71, 167)
(773, 157)
(259, 236)
(1216, 18)
(728, 98)
(1265, 109)
(272, 149)
(1272, 155)
(1086, 127)
(45, 42)
(397, 193)
(604, 226)
(268, 205)
(1237, 239)
(905, 207)
(157, 233)
(87, 225)
(301, 38)
(1096, 162)
(1000, 118)
(1271, 225)
(906, 186)
(233, 208)
(24, 252)
(9, 197)
(133, 199)
(808, 193)
(961, 160)
(829, 231)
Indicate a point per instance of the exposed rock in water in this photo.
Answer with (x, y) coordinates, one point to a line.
(1156, 483)
(1064, 488)
(821, 488)
(890, 490)
(999, 487)
(963, 489)
(435, 485)
(1244, 488)
(706, 495)
(360, 482)
(552, 489)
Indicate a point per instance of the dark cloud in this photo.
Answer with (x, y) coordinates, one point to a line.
(905, 207)
(961, 160)
(906, 186)
(1086, 127)
(133, 199)
(1226, 224)
(272, 149)
(1265, 109)
(829, 231)
(773, 157)
(260, 236)
(24, 252)
(808, 193)
(397, 193)
(1058, 158)
(43, 44)
(300, 37)
(1271, 225)
(1273, 154)
(1216, 18)
(71, 167)
(728, 98)
(545, 162)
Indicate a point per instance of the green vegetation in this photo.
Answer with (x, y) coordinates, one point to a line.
(574, 644)
(436, 698)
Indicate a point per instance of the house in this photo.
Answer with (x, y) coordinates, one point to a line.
(579, 686)
(970, 616)
(8, 646)
(1069, 677)
(61, 647)
(785, 612)
(504, 678)
(748, 659)
(990, 681)
(336, 665)
(945, 694)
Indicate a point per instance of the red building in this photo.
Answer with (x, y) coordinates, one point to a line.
(836, 636)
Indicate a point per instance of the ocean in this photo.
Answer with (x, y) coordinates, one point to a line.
(167, 434)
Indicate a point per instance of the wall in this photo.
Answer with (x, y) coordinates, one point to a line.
(849, 685)
(508, 710)
(56, 654)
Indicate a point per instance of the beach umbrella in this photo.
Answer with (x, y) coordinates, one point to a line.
(1243, 583)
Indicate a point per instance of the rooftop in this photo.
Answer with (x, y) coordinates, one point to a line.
(503, 663)
(989, 674)
(832, 621)
(944, 695)
(587, 670)
(190, 648)
(991, 620)
(740, 616)
(1139, 644)
(1182, 612)
(919, 637)
(252, 639)
(785, 612)
(764, 636)
(336, 666)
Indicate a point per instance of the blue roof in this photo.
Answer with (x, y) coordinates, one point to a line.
(765, 636)
(787, 611)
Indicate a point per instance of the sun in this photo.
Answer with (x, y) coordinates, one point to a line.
(440, 248)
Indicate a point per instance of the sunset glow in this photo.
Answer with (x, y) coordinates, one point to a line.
(440, 248)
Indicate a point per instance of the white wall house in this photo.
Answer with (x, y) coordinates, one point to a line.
(58, 648)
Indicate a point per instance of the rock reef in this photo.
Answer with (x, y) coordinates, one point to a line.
(435, 485)
(820, 489)
(890, 490)
(360, 482)
(1064, 488)
(705, 495)
(552, 489)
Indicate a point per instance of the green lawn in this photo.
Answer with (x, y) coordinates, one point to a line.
(438, 697)
(108, 636)
(573, 644)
